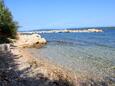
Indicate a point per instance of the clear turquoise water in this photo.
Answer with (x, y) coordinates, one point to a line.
(88, 54)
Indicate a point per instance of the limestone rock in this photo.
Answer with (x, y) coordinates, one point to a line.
(29, 40)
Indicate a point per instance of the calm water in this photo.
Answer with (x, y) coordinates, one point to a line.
(88, 54)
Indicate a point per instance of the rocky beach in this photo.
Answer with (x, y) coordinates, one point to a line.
(20, 68)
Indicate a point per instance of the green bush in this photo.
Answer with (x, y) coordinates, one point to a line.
(8, 27)
(4, 40)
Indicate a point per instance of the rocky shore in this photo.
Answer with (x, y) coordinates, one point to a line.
(25, 40)
(20, 68)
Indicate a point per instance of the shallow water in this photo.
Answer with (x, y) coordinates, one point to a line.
(89, 54)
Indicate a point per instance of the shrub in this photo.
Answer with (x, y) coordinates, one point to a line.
(8, 27)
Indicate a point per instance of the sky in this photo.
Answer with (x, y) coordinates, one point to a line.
(58, 14)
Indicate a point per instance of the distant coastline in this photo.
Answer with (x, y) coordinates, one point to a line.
(66, 31)
(78, 28)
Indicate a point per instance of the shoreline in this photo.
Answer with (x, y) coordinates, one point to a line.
(30, 71)
(44, 66)
(38, 65)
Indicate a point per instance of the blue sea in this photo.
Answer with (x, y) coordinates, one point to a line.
(90, 55)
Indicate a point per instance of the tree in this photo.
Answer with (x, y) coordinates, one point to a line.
(8, 27)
